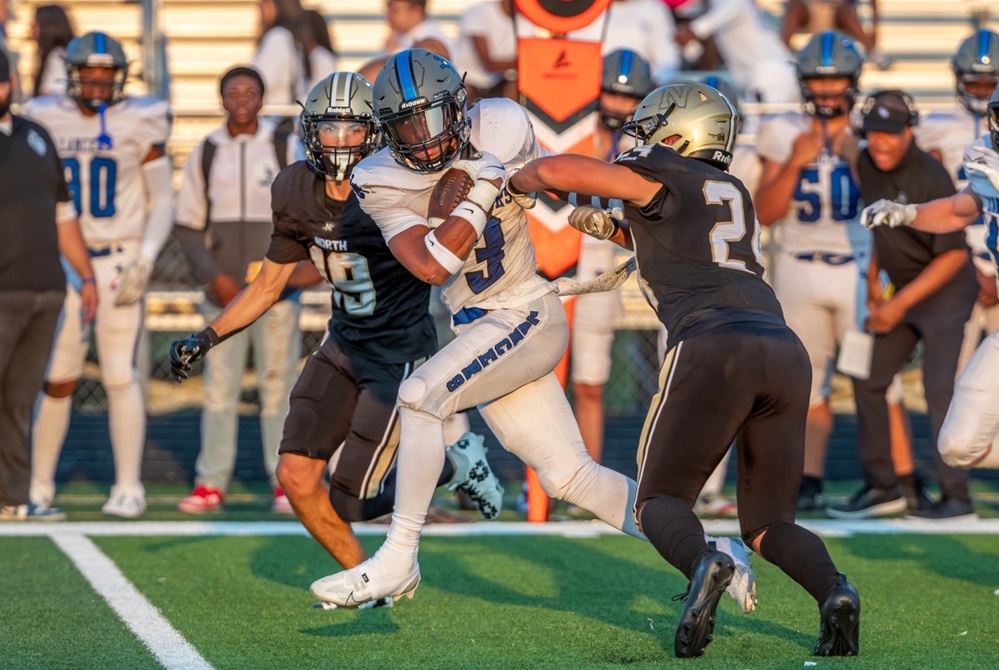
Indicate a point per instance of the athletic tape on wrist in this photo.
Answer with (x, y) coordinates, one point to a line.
(442, 254)
(483, 194)
(472, 213)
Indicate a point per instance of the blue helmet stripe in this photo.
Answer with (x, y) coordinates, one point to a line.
(626, 57)
(404, 68)
(827, 47)
(100, 43)
(984, 39)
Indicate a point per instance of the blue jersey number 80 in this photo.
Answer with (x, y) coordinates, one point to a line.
(103, 178)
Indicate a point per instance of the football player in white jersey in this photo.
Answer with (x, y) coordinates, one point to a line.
(808, 184)
(113, 150)
(945, 135)
(511, 327)
(970, 434)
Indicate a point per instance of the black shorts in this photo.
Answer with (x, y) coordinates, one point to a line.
(344, 400)
(746, 382)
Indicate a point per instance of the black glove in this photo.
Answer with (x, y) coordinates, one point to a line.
(185, 352)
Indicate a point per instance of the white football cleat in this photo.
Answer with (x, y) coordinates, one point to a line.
(363, 584)
(473, 475)
(381, 602)
(127, 504)
(742, 588)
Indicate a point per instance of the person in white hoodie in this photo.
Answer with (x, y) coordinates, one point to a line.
(224, 224)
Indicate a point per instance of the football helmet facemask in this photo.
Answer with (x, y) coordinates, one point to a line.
(976, 62)
(993, 117)
(419, 103)
(624, 73)
(692, 119)
(829, 55)
(95, 50)
(338, 125)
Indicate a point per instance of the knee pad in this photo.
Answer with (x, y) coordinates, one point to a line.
(958, 452)
(568, 481)
(412, 393)
(117, 373)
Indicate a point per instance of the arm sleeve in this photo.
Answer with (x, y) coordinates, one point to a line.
(191, 206)
(192, 243)
(720, 14)
(156, 176)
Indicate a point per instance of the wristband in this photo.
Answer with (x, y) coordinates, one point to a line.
(442, 254)
(88, 280)
(471, 212)
(211, 336)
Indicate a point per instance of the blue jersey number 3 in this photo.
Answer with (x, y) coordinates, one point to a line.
(492, 255)
(103, 178)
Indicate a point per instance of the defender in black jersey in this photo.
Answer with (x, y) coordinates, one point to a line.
(733, 371)
(379, 331)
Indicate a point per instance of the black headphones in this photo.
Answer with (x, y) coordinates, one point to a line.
(872, 99)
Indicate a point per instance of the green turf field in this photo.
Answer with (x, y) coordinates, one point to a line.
(491, 602)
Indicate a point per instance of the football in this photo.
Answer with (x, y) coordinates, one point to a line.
(452, 188)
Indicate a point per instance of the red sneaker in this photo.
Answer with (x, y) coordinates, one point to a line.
(281, 503)
(202, 499)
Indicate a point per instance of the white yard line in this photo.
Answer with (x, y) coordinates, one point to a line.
(153, 630)
(824, 527)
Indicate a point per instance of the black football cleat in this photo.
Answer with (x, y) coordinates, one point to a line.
(697, 620)
(839, 628)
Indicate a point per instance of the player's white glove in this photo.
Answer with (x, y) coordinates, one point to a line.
(887, 213)
(989, 172)
(131, 282)
(595, 222)
(483, 170)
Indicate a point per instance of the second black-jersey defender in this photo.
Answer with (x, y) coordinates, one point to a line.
(733, 369)
(344, 403)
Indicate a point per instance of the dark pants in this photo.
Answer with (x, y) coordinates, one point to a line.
(939, 322)
(746, 382)
(27, 327)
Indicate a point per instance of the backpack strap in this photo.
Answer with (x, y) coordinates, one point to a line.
(207, 156)
(281, 147)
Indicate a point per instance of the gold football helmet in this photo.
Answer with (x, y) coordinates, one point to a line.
(692, 119)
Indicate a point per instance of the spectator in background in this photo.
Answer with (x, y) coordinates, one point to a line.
(52, 33)
(807, 158)
(934, 290)
(322, 57)
(37, 224)
(281, 58)
(760, 64)
(487, 49)
(113, 147)
(643, 26)
(945, 135)
(411, 29)
(816, 16)
(224, 227)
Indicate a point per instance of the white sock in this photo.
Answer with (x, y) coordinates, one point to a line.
(607, 494)
(421, 457)
(48, 432)
(455, 426)
(127, 418)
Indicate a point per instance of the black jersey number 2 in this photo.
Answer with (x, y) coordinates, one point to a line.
(734, 230)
